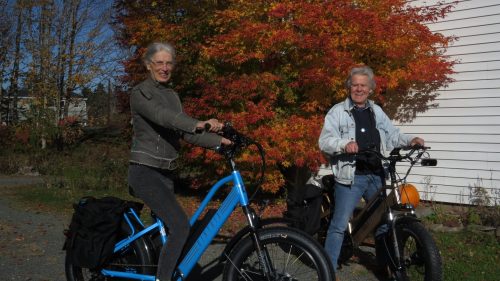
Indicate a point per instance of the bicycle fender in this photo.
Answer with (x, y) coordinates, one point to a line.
(405, 219)
(244, 232)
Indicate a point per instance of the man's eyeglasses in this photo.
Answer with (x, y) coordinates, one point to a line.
(158, 64)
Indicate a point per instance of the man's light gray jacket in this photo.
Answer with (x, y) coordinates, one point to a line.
(339, 129)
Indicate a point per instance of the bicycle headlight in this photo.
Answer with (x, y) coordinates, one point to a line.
(409, 194)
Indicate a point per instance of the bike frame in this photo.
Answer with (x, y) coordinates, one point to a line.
(372, 214)
(388, 205)
(238, 195)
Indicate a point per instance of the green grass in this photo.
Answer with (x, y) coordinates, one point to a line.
(469, 255)
(56, 199)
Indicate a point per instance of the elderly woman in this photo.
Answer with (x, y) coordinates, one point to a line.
(159, 123)
(354, 124)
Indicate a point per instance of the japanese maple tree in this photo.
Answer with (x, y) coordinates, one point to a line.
(274, 68)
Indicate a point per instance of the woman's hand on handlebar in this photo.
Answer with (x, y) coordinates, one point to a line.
(225, 141)
(211, 125)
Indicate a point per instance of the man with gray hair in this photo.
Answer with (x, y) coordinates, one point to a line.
(356, 123)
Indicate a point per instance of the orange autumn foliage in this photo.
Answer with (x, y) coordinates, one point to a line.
(274, 68)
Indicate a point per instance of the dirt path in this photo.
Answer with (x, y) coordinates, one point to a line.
(31, 243)
(31, 240)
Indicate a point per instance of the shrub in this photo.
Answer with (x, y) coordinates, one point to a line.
(69, 131)
(5, 135)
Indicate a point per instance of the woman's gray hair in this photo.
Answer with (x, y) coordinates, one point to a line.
(156, 47)
(362, 70)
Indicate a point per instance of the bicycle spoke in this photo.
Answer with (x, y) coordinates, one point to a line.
(242, 274)
(287, 260)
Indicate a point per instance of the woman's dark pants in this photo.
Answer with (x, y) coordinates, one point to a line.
(156, 188)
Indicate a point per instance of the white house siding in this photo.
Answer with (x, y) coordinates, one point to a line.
(76, 108)
(464, 130)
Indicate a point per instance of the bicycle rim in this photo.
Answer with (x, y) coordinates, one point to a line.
(413, 260)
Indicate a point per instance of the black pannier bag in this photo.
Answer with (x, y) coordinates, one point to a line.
(94, 228)
(305, 208)
(303, 199)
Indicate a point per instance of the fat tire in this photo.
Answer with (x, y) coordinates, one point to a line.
(311, 252)
(136, 253)
(424, 252)
(264, 223)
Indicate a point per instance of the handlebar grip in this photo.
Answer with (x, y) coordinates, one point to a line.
(205, 128)
(418, 147)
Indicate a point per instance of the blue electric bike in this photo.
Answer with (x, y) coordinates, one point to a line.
(270, 253)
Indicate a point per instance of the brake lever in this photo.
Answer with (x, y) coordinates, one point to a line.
(421, 150)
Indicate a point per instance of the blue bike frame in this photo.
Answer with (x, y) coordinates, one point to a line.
(238, 195)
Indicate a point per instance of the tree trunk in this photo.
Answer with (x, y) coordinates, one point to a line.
(14, 79)
(108, 103)
(62, 30)
(1, 99)
(72, 37)
(5, 43)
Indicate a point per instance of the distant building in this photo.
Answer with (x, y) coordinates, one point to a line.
(77, 108)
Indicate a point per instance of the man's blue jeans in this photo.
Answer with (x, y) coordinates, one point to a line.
(346, 199)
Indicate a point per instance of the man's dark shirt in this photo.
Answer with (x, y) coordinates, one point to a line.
(367, 137)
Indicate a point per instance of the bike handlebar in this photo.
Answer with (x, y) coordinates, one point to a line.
(240, 141)
(395, 155)
(417, 153)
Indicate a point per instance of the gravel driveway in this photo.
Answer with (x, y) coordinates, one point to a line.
(31, 244)
(31, 241)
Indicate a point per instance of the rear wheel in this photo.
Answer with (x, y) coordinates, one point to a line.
(133, 259)
(419, 255)
(290, 255)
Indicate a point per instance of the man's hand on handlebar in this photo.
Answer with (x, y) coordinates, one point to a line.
(351, 147)
(417, 141)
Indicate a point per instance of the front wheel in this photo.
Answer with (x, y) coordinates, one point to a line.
(419, 255)
(289, 254)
